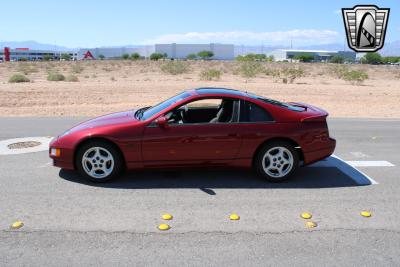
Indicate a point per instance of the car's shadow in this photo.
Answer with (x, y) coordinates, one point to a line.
(308, 177)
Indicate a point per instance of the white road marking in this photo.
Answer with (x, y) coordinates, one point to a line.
(370, 163)
(356, 175)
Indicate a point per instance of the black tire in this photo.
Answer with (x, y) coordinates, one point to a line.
(258, 161)
(117, 169)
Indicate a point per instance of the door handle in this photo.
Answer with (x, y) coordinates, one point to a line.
(232, 134)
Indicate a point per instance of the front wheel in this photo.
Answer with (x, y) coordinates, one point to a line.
(276, 161)
(99, 161)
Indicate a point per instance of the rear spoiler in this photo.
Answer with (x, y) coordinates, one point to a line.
(313, 114)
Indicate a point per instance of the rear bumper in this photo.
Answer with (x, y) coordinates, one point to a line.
(324, 152)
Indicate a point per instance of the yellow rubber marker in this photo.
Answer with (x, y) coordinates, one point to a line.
(164, 227)
(234, 217)
(306, 215)
(17, 225)
(311, 224)
(167, 217)
(366, 213)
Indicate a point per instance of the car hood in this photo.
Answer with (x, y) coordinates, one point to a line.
(107, 120)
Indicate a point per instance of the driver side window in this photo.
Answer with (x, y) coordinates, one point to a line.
(210, 110)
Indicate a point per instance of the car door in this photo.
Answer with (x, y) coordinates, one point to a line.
(256, 126)
(191, 143)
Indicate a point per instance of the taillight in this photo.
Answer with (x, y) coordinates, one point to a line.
(323, 136)
(318, 118)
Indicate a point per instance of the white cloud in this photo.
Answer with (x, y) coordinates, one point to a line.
(300, 37)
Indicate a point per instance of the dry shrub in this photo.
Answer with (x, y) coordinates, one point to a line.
(175, 67)
(18, 78)
(210, 74)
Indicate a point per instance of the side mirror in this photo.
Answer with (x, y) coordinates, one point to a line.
(162, 122)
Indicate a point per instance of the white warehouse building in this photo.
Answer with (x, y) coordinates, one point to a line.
(181, 51)
(319, 55)
(116, 52)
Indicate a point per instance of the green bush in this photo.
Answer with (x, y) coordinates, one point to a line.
(125, 56)
(135, 56)
(101, 56)
(55, 77)
(47, 57)
(372, 58)
(390, 59)
(191, 56)
(65, 57)
(157, 56)
(355, 76)
(205, 54)
(210, 74)
(304, 57)
(76, 68)
(337, 59)
(18, 78)
(252, 57)
(270, 58)
(72, 78)
(250, 69)
(175, 67)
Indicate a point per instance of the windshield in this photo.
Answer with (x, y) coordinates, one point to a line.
(277, 103)
(148, 113)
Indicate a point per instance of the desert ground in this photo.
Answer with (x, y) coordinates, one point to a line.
(114, 85)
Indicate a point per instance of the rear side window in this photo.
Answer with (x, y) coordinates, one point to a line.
(250, 112)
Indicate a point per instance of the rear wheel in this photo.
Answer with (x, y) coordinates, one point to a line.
(276, 161)
(99, 161)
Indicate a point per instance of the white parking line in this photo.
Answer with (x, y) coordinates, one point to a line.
(370, 163)
(356, 175)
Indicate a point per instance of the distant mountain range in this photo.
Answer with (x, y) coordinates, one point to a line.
(390, 48)
(34, 45)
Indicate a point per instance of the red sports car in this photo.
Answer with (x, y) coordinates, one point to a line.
(201, 127)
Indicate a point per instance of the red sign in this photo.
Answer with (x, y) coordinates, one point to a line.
(87, 55)
(6, 53)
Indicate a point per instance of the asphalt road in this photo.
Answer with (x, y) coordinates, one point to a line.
(71, 222)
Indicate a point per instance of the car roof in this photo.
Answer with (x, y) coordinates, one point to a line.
(216, 90)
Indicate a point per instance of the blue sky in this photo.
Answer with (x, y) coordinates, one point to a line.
(93, 23)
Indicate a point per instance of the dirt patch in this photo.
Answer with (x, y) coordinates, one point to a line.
(109, 86)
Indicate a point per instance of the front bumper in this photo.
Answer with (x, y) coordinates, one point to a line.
(63, 164)
(65, 158)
